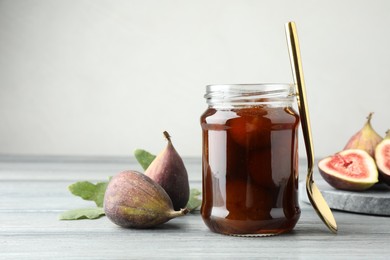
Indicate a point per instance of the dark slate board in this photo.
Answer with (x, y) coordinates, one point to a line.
(375, 201)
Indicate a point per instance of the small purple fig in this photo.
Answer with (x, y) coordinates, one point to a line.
(168, 170)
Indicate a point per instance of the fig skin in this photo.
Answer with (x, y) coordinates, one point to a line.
(365, 139)
(382, 158)
(168, 170)
(133, 200)
(352, 162)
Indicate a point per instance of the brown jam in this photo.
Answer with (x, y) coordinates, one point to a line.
(250, 170)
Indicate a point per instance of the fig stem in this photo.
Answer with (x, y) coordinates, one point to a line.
(387, 134)
(369, 117)
(181, 212)
(167, 136)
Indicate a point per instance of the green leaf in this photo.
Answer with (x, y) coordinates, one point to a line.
(194, 202)
(144, 158)
(83, 213)
(89, 191)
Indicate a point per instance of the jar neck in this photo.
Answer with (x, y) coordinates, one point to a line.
(249, 95)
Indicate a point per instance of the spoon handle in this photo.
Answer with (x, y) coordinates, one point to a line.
(317, 200)
(300, 89)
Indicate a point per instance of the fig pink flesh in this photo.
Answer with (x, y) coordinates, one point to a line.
(386, 156)
(382, 156)
(348, 165)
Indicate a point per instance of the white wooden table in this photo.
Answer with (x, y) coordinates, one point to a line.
(33, 192)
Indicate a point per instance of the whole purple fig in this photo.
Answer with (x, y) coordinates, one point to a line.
(168, 170)
(365, 139)
(134, 200)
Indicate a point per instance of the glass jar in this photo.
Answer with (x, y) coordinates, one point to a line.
(250, 159)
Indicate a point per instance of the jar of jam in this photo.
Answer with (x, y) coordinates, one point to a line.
(250, 159)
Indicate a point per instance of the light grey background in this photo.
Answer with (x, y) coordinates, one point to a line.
(106, 77)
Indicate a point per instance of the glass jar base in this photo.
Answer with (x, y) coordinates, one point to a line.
(260, 228)
(271, 234)
(254, 235)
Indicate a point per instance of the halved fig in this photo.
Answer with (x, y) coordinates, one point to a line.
(351, 169)
(382, 158)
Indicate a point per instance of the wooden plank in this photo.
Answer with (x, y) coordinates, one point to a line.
(27, 234)
(33, 193)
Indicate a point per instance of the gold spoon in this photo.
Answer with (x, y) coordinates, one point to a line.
(314, 194)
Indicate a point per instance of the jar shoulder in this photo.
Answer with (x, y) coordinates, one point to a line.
(273, 114)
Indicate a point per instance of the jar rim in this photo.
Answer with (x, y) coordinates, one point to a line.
(249, 94)
(250, 86)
